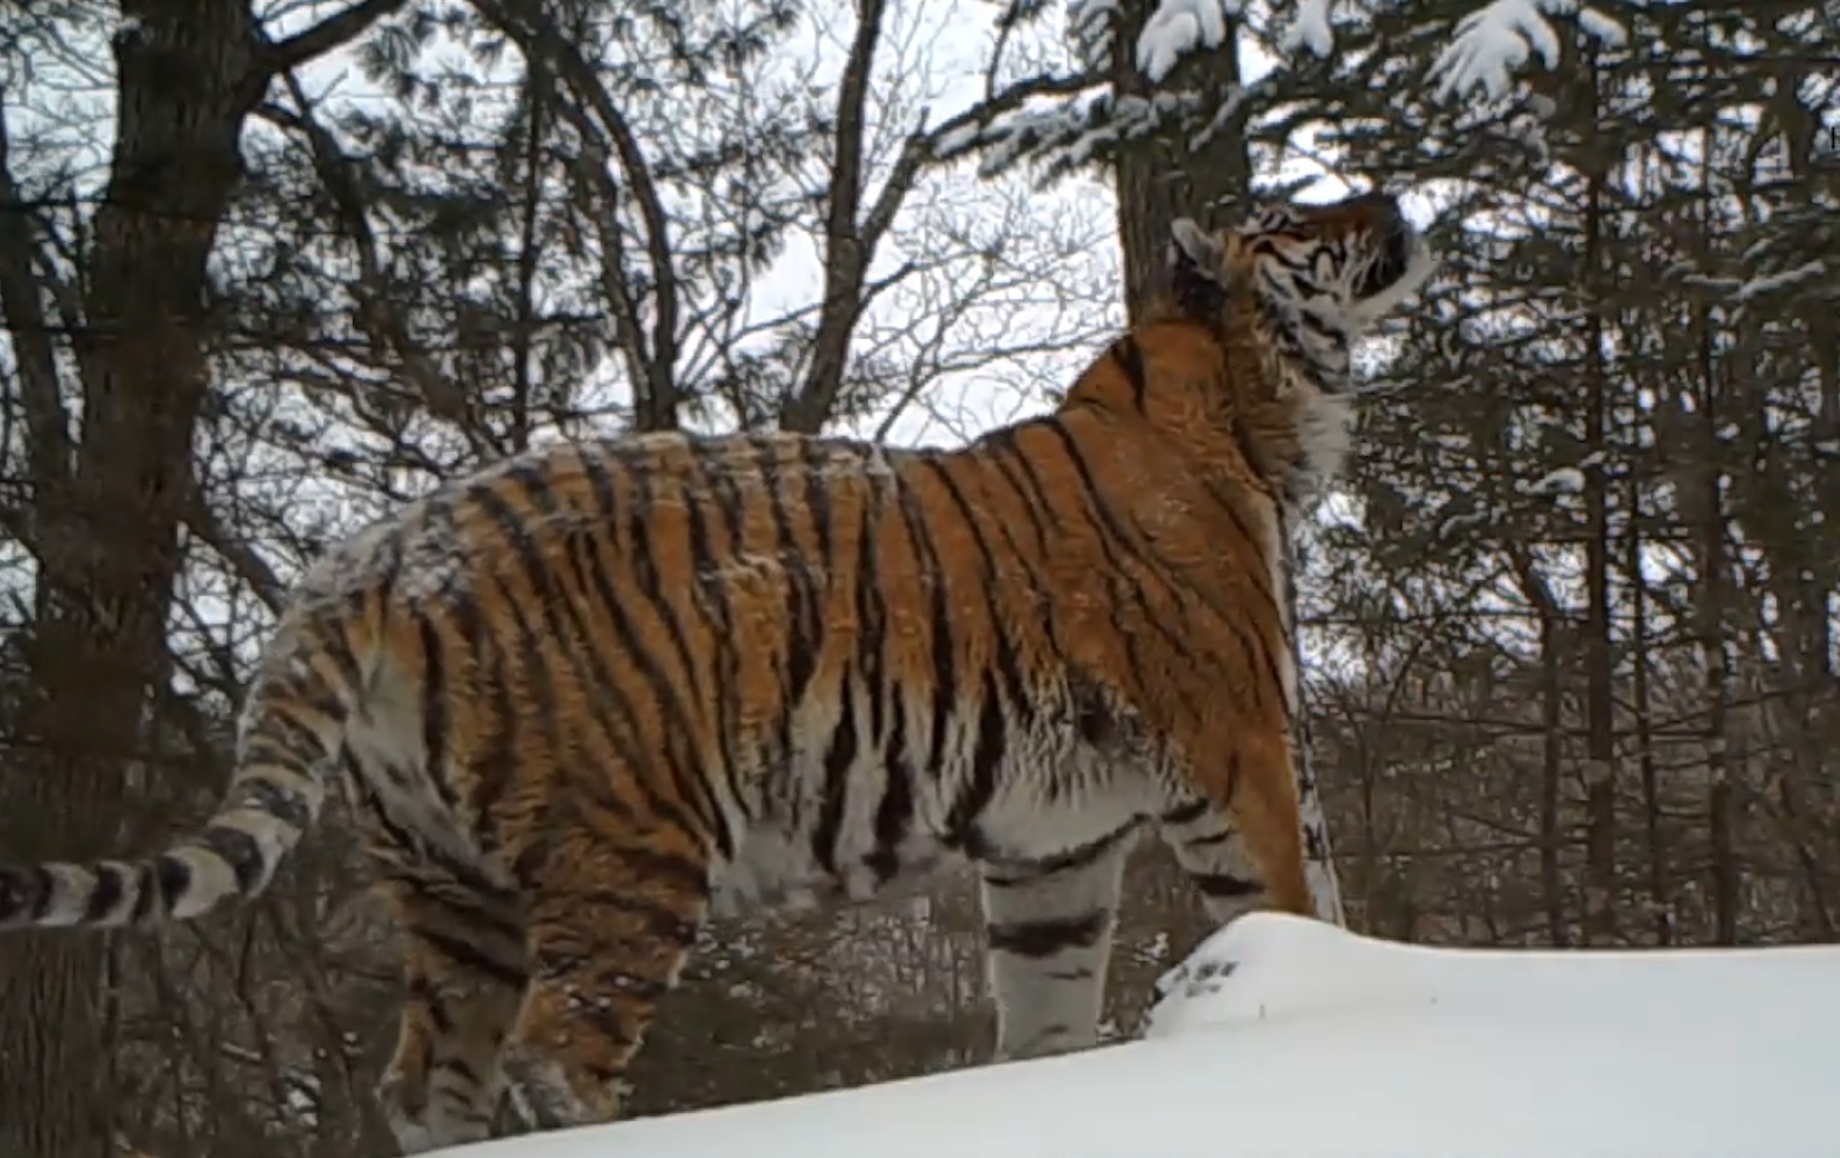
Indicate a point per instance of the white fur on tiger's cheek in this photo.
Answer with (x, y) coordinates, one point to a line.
(1197, 245)
(1419, 267)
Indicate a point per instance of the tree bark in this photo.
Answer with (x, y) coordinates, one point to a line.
(1600, 662)
(1552, 735)
(1160, 180)
(107, 509)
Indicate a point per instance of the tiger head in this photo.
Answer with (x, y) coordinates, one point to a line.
(1287, 292)
(1314, 276)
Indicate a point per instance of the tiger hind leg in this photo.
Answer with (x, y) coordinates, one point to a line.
(1242, 847)
(610, 927)
(464, 977)
(1048, 938)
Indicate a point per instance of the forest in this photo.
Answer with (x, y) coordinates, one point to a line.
(269, 268)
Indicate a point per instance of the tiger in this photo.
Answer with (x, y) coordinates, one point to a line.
(593, 694)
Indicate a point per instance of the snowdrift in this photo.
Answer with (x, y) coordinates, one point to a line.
(1287, 1038)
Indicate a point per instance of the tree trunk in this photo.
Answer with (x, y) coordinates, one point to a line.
(1710, 598)
(105, 533)
(1158, 180)
(1600, 704)
(1552, 734)
(1660, 898)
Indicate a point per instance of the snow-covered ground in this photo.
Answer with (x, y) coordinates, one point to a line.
(1286, 1038)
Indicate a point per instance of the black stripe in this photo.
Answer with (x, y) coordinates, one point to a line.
(1225, 886)
(642, 558)
(264, 795)
(1255, 651)
(434, 701)
(668, 869)
(15, 896)
(148, 890)
(575, 642)
(1130, 359)
(172, 877)
(469, 956)
(1113, 538)
(611, 1022)
(495, 766)
(1019, 874)
(682, 756)
(871, 615)
(839, 756)
(460, 611)
(106, 894)
(932, 576)
(1008, 458)
(708, 598)
(1009, 665)
(1046, 936)
(585, 556)
(239, 850)
(986, 760)
(660, 922)
(44, 892)
(894, 814)
(329, 640)
(804, 626)
(281, 736)
(1187, 813)
(1004, 449)
(423, 990)
(538, 706)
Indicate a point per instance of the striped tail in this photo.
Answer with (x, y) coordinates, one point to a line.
(289, 739)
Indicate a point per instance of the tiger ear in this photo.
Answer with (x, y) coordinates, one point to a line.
(1197, 270)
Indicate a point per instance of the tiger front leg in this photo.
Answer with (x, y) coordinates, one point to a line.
(1235, 827)
(610, 927)
(1048, 933)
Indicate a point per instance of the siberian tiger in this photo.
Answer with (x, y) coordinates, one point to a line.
(586, 696)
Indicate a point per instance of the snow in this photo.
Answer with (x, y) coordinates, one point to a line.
(1289, 1038)
(1494, 42)
(1089, 27)
(1179, 27)
(1310, 29)
(1773, 283)
(1567, 480)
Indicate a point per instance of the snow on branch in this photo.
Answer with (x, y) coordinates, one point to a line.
(1493, 43)
(1567, 480)
(1783, 280)
(1310, 29)
(1179, 27)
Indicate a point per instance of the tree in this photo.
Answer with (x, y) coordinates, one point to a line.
(109, 494)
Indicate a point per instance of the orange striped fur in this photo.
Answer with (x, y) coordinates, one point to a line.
(590, 694)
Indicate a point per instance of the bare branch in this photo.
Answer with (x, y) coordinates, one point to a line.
(600, 201)
(23, 309)
(328, 34)
(249, 567)
(377, 316)
(846, 251)
(539, 39)
(948, 140)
